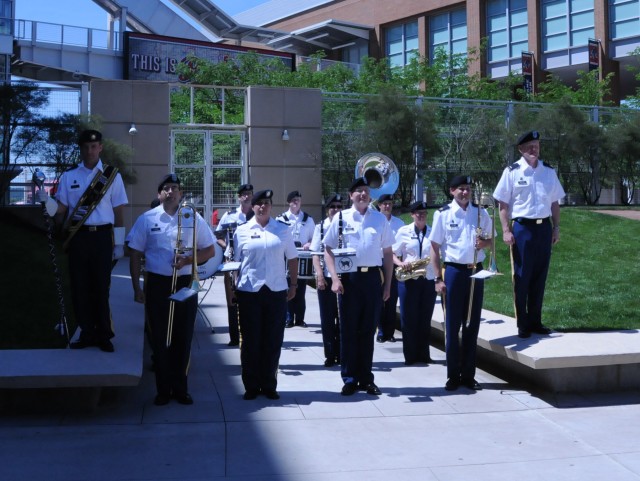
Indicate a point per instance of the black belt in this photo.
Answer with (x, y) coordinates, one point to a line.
(367, 268)
(525, 221)
(95, 228)
(463, 266)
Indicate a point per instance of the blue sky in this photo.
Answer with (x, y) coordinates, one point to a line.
(85, 13)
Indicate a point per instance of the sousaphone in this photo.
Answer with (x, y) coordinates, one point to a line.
(381, 173)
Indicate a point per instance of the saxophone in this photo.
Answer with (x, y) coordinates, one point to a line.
(414, 270)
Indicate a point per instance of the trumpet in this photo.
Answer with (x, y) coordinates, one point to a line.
(185, 211)
(414, 270)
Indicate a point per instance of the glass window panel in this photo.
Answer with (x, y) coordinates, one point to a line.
(439, 22)
(440, 37)
(498, 38)
(395, 60)
(581, 20)
(554, 9)
(581, 37)
(518, 4)
(556, 42)
(497, 23)
(519, 17)
(518, 48)
(394, 48)
(411, 55)
(558, 25)
(459, 32)
(625, 11)
(412, 44)
(578, 5)
(459, 46)
(459, 17)
(394, 34)
(496, 7)
(498, 53)
(519, 34)
(630, 28)
(411, 29)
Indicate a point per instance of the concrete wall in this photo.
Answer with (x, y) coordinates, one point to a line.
(275, 164)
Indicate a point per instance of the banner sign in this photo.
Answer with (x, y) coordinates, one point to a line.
(154, 57)
(527, 71)
(594, 54)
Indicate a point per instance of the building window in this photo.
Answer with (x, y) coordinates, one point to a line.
(401, 43)
(6, 22)
(566, 23)
(448, 31)
(624, 16)
(507, 29)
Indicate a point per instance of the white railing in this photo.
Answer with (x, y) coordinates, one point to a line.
(90, 38)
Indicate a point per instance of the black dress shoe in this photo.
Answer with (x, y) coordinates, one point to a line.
(409, 363)
(162, 399)
(472, 384)
(233, 343)
(523, 334)
(329, 362)
(271, 394)
(289, 324)
(452, 384)
(372, 389)
(106, 346)
(349, 389)
(301, 324)
(380, 339)
(184, 398)
(545, 331)
(251, 394)
(391, 339)
(81, 344)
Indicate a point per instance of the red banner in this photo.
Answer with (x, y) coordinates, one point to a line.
(527, 71)
(594, 55)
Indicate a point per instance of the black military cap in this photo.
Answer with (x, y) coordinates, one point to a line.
(261, 195)
(459, 180)
(245, 187)
(528, 137)
(89, 136)
(335, 198)
(420, 205)
(359, 182)
(385, 198)
(168, 179)
(292, 195)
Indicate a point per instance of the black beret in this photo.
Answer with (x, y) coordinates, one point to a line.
(169, 178)
(293, 194)
(459, 180)
(420, 205)
(359, 182)
(384, 198)
(528, 137)
(335, 198)
(89, 136)
(261, 195)
(244, 187)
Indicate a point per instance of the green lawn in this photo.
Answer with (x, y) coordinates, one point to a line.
(594, 281)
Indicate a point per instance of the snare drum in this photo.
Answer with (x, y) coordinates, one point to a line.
(305, 265)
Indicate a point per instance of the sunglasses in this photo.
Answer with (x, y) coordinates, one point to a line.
(335, 206)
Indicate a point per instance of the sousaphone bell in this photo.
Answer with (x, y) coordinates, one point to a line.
(381, 173)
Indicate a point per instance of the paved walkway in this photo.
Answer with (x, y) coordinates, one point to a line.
(415, 431)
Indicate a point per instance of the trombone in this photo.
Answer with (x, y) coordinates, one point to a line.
(186, 210)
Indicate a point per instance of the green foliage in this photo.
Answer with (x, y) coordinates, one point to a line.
(589, 90)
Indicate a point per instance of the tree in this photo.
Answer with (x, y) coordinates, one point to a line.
(624, 144)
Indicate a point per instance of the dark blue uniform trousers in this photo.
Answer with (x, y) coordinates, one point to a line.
(531, 256)
(329, 321)
(171, 363)
(262, 319)
(461, 355)
(360, 308)
(387, 324)
(90, 263)
(297, 306)
(417, 300)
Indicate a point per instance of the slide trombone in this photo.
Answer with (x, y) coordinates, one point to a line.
(186, 210)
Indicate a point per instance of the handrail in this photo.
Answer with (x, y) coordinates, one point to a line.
(45, 32)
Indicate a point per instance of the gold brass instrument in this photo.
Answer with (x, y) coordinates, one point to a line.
(416, 269)
(487, 201)
(186, 210)
(473, 271)
(381, 173)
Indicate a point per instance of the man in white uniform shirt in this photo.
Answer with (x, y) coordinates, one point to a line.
(302, 227)
(360, 293)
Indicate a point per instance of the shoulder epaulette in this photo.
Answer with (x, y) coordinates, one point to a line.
(444, 207)
(305, 217)
(514, 166)
(279, 219)
(546, 165)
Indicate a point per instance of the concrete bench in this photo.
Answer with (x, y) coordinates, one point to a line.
(561, 362)
(85, 370)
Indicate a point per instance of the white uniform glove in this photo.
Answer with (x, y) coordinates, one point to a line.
(118, 243)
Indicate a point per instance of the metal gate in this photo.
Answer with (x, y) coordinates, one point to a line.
(211, 165)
